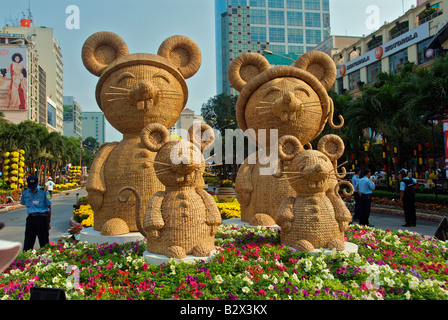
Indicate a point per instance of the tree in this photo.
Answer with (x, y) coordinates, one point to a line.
(220, 112)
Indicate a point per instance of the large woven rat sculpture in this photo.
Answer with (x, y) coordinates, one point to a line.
(316, 217)
(133, 91)
(292, 100)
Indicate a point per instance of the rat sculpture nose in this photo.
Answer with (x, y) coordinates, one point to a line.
(143, 95)
(287, 107)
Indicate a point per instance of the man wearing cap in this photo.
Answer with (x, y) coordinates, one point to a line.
(365, 188)
(407, 197)
(50, 184)
(38, 205)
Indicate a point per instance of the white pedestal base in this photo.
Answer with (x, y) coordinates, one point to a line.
(156, 259)
(349, 247)
(92, 236)
(240, 223)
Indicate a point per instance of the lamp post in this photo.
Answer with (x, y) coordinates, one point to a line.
(275, 54)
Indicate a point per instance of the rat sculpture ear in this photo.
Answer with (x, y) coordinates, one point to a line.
(201, 135)
(320, 65)
(289, 147)
(183, 53)
(154, 136)
(332, 146)
(101, 49)
(245, 67)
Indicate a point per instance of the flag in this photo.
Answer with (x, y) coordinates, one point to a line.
(25, 23)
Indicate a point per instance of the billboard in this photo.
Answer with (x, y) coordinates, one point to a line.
(13, 78)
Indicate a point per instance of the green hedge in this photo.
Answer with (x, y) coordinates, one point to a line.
(419, 197)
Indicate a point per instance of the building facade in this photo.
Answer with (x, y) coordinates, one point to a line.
(40, 51)
(72, 117)
(186, 120)
(94, 125)
(409, 38)
(283, 27)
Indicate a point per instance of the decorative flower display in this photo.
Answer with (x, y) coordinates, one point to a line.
(250, 264)
(228, 210)
(14, 169)
(84, 215)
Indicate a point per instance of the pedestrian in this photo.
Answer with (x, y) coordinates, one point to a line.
(407, 197)
(50, 185)
(38, 206)
(355, 180)
(365, 189)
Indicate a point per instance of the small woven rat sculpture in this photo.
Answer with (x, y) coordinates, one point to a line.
(316, 217)
(183, 219)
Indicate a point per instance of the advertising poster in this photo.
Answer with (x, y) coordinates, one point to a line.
(13, 78)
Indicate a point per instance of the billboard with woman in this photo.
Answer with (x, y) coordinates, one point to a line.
(13, 78)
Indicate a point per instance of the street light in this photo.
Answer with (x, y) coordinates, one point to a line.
(274, 54)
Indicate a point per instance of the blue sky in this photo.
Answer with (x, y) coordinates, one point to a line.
(144, 24)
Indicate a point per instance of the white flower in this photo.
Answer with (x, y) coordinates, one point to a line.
(219, 279)
(271, 287)
(413, 283)
(245, 289)
(407, 295)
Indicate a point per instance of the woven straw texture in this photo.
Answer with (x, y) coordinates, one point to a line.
(183, 219)
(133, 91)
(292, 100)
(316, 217)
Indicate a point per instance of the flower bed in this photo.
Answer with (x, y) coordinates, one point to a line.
(229, 210)
(250, 264)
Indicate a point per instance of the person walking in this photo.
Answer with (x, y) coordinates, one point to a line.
(38, 206)
(365, 189)
(50, 185)
(407, 197)
(355, 180)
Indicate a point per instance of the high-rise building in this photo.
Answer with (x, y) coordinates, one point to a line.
(94, 125)
(39, 50)
(72, 118)
(284, 27)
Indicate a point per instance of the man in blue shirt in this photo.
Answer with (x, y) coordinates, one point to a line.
(365, 188)
(38, 206)
(407, 196)
(355, 180)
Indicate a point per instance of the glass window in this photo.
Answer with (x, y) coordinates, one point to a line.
(294, 18)
(353, 79)
(237, 2)
(295, 36)
(244, 38)
(276, 35)
(313, 36)
(294, 4)
(295, 50)
(254, 47)
(276, 18)
(234, 19)
(243, 11)
(235, 46)
(258, 34)
(276, 3)
(423, 55)
(258, 16)
(244, 46)
(243, 28)
(257, 3)
(372, 71)
(234, 28)
(279, 49)
(340, 85)
(326, 5)
(312, 19)
(243, 19)
(312, 4)
(326, 20)
(235, 37)
(398, 60)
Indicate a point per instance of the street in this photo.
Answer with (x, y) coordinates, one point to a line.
(62, 210)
